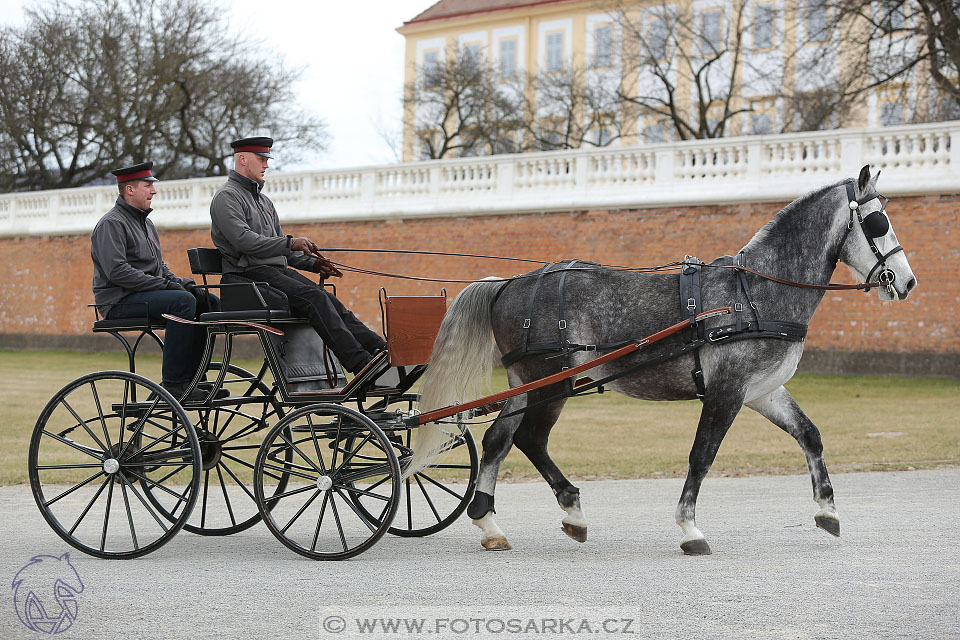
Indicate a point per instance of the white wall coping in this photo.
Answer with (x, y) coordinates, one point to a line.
(915, 159)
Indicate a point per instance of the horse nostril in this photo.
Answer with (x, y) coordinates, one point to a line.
(911, 285)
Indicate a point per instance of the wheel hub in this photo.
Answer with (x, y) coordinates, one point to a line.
(210, 449)
(324, 483)
(111, 466)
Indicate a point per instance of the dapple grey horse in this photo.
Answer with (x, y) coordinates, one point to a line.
(802, 243)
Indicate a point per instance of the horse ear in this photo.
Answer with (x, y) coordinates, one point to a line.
(864, 178)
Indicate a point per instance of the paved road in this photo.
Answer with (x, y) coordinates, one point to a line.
(894, 573)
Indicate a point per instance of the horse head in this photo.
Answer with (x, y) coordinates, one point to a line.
(869, 245)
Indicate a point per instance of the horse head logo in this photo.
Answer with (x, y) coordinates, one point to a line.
(45, 594)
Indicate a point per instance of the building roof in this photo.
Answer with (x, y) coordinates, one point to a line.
(446, 9)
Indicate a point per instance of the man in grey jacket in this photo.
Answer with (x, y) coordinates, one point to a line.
(246, 230)
(131, 280)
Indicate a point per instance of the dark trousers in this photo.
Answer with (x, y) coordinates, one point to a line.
(183, 344)
(351, 340)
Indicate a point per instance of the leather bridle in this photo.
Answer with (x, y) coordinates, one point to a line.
(875, 225)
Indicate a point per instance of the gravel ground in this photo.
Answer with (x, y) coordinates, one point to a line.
(895, 572)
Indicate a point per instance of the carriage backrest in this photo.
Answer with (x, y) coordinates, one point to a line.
(411, 324)
(205, 261)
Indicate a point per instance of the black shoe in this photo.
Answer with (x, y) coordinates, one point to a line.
(178, 389)
(372, 361)
(221, 392)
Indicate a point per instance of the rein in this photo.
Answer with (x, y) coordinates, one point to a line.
(672, 266)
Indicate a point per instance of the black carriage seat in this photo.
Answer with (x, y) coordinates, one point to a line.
(240, 298)
(143, 326)
(304, 361)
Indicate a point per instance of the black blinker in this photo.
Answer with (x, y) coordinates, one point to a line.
(876, 224)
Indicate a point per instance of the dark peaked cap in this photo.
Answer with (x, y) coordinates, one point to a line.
(142, 171)
(260, 146)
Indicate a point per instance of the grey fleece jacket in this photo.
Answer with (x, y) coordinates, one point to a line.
(246, 229)
(125, 248)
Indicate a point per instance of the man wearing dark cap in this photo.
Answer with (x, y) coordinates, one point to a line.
(131, 280)
(246, 230)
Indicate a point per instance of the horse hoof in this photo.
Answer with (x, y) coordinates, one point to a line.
(829, 523)
(496, 544)
(697, 547)
(576, 532)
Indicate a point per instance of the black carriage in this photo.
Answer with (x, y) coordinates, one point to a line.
(118, 466)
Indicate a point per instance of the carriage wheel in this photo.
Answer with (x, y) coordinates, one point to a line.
(433, 498)
(337, 454)
(97, 443)
(230, 433)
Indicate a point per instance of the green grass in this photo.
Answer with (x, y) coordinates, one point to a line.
(610, 436)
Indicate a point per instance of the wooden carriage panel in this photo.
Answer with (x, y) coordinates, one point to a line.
(412, 323)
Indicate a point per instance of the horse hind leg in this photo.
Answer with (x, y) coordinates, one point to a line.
(531, 438)
(719, 411)
(781, 409)
(497, 442)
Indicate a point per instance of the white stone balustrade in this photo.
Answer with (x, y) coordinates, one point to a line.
(916, 159)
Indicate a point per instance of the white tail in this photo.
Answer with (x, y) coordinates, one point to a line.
(459, 366)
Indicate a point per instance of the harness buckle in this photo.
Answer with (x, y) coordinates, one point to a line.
(589, 347)
(738, 307)
(562, 324)
(691, 304)
(526, 323)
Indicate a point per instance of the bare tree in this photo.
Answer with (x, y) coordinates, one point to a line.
(573, 108)
(89, 86)
(910, 50)
(459, 107)
(683, 69)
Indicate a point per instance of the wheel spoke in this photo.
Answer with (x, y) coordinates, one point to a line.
(145, 505)
(70, 443)
(336, 516)
(346, 459)
(81, 423)
(126, 503)
(323, 509)
(352, 506)
(439, 485)
(181, 497)
(103, 420)
(226, 498)
(302, 509)
(292, 492)
(203, 504)
(237, 480)
(316, 443)
(89, 505)
(106, 515)
(365, 492)
(297, 449)
(427, 498)
(48, 467)
(74, 488)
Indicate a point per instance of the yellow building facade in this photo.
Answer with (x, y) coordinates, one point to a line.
(775, 39)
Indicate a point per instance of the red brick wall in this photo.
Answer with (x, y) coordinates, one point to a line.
(48, 278)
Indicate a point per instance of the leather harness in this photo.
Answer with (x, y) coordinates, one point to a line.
(695, 336)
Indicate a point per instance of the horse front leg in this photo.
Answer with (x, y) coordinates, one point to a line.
(497, 442)
(719, 410)
(781, 409)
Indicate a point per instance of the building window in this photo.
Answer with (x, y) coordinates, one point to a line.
(554, 61)
(471, 55)
(817, 21)
(711, 32)
(657, 39)
(763, 26)
(603, 46)
(892, 16)
(762, 112)
(508, 58)
(430, 69)
(654, 133)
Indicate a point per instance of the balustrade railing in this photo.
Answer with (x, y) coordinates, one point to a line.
(915, 159)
